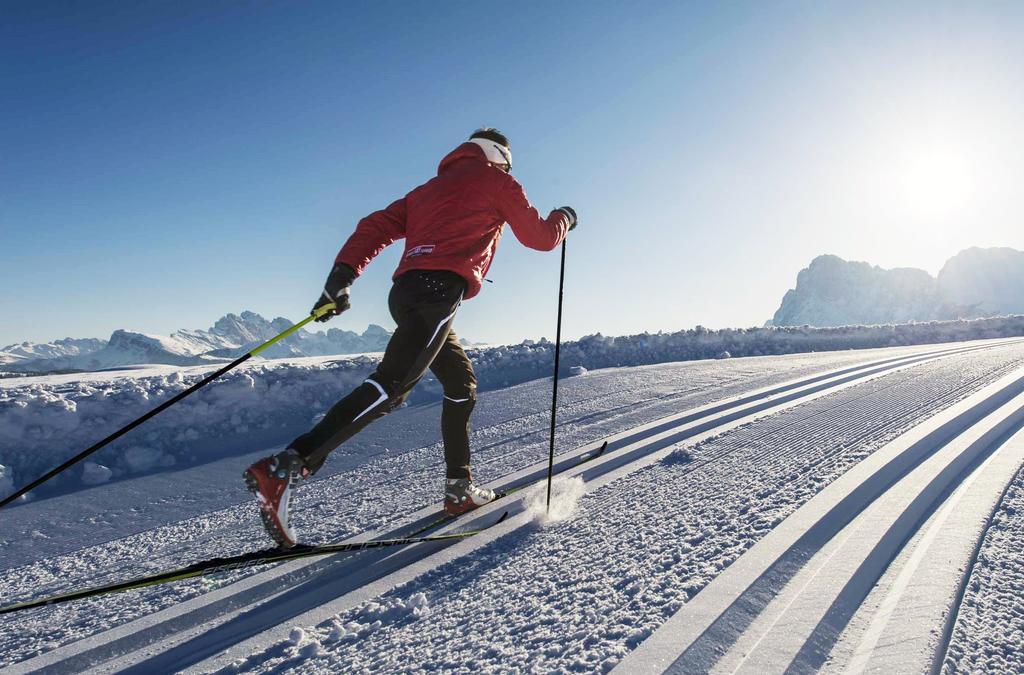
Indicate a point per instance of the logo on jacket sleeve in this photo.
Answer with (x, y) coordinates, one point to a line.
(425, 249)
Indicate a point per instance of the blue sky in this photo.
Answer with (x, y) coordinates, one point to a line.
(164, 163)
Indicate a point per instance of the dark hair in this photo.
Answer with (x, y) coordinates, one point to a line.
(491, 134)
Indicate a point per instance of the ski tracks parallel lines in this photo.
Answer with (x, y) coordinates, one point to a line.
(844, 375)
(640, 450)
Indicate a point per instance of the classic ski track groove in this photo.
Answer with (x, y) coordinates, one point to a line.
(954, 618)
(401, 577)
(310, 503)
(920, 412)
(758, 401)
(645, 452)
(754, 616)
(112, 567)
(227, 511)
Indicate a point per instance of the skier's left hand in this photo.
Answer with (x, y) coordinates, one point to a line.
(335, 291)
(571, 213)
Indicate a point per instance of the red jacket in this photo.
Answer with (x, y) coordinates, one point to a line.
(454, 221)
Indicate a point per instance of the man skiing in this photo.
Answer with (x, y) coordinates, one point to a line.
(451, 225)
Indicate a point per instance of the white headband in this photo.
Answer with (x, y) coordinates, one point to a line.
(495, 152)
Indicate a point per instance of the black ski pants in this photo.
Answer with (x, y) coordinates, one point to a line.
(423, 303)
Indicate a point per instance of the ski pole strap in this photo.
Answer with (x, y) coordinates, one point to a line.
(160, 408)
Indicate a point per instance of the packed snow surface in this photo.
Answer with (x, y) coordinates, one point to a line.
(577, 599)
(988, 635)
(575, 595)
(125, 528)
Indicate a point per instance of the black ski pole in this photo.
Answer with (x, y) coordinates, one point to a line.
(160, 408)
(554, 388)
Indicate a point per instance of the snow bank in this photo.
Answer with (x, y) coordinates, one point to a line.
(45, 420)
(502, 366)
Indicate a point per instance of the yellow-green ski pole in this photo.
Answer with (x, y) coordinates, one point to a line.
(317, 313)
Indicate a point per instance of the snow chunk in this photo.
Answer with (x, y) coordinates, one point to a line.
(418, 601)
(565, 496)
(371, 616)
(296, 636)
(678, 456)
(337, 634)
(95, 474)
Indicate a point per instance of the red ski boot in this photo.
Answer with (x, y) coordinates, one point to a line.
(461, 495)
(274, 480)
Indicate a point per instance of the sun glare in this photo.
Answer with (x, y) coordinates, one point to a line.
(935, 182)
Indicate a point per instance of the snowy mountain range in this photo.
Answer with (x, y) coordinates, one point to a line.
(977, 282)
(231, 336)
(25, 351)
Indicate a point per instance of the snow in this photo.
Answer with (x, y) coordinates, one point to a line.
(797, 593)
(95, 474)
(231, 336)
(24, 351)
(988, 635)
(974, 283)
(991, 279)
(628, 549)
(6, 480)
(902, 624)
(588, 592)
(46, 419)
(565, 497)
(98, 535)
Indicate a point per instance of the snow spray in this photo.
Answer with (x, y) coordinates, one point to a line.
(565, 496)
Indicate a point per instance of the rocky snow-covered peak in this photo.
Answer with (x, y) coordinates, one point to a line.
(989, 280)
(248, 327)
(835, 292)
(230, 336)
(50, 350)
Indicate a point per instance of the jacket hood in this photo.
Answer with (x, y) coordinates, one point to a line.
(465, 151)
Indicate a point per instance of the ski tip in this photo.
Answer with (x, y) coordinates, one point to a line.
(604, 446)
(503, 517)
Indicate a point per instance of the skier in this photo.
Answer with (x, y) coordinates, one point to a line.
(451, 225)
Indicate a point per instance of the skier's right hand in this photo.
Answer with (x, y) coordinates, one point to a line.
(571, 212)
(335, 291)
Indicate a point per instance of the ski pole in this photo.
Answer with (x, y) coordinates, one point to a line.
(164, 406)
(554, 388)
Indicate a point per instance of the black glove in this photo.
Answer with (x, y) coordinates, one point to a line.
(336, 291)
(569, 211)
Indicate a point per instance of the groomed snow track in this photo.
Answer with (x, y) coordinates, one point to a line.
(870, 511)
(785, 604)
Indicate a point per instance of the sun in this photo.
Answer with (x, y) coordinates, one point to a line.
(935, 182)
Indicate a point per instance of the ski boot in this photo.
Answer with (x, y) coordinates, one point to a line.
(274, 480)
(461, 495)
